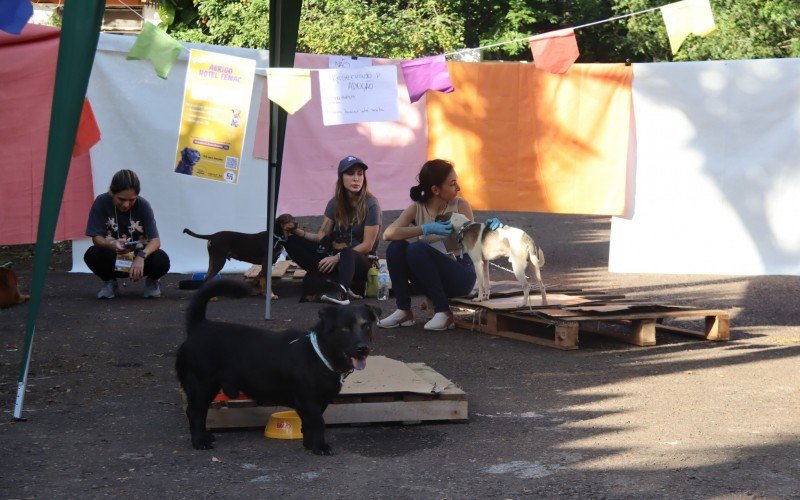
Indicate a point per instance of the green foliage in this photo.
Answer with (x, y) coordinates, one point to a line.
(746, 29)
(406, 29)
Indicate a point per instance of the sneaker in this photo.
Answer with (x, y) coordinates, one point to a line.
(440, 321)
(151, 289)
(108, 290)
(397, 318)
(338, 296)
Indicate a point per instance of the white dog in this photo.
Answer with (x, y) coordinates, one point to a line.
(484, 245)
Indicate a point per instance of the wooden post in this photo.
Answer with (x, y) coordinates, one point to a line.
(644, 332)
(718, 327)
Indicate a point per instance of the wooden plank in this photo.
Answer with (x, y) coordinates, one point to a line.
(683, 313)
(447, 403)
(443, 388)
(280, 268)
(355, 413)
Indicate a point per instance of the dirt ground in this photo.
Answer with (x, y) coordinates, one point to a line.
(686, 418)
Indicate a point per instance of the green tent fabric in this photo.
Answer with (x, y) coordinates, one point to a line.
(157, 46)
(80, 31)
(284, 22)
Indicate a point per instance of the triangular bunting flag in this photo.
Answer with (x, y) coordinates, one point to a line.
(426, 73)
(88, 131)
(554, 51)
(14, 15)
(289, 88)
(685, 18)
(157, 46)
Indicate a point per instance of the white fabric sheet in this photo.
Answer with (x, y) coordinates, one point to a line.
(717, 187)
(139, 114)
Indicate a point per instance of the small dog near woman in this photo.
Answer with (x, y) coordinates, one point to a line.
(302, 369)
(484, 245)
(247, 247)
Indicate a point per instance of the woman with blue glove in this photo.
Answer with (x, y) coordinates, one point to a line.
(426, 253)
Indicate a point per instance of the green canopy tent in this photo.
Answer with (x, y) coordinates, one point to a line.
(80, 31)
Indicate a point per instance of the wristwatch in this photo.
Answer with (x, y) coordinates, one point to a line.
(140, 253)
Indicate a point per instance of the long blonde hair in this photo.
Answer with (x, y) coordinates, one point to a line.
(344, 213)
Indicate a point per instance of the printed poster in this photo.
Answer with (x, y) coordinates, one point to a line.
(216, 100)
(359, 95)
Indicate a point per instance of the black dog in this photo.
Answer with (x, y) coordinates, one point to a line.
(284, 368)
(189, 158)
(246, 247)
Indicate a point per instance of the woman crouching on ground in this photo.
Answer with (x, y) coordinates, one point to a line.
(424, 252)
(125, 238)
(348, 235)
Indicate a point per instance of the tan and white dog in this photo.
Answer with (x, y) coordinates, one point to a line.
(484, 245)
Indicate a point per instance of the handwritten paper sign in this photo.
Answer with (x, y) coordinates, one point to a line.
(358, 95)
(348, 62)
(216, 100)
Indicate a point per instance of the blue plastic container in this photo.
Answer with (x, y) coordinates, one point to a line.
(202, 276)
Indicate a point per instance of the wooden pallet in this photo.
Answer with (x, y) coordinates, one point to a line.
(448, 403)
(560, 323)
(283, 270)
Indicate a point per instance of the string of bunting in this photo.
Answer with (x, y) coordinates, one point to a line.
(290, 88)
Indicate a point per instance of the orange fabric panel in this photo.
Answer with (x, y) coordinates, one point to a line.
(526, 140)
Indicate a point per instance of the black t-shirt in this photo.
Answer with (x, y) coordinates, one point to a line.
(137, 224)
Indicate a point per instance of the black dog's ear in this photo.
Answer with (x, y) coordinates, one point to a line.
(327, 313)
(375, 312)
(444, 217)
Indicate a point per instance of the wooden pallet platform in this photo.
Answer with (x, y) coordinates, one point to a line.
(560, 323)
(447, 403)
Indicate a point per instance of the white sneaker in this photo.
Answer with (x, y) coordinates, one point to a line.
(152, 290)
(397, 318)
(440, 321)
(108, 291)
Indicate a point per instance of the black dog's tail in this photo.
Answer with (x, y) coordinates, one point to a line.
(225, 288)
(188, 231)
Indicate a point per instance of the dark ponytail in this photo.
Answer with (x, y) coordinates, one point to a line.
(124, 179)
(432, 173)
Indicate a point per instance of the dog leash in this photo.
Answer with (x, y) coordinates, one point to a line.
(312, 336)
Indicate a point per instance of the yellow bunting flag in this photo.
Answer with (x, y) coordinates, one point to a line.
(289, 88)
(686, 18)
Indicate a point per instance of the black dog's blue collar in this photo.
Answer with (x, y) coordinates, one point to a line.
(312, 336)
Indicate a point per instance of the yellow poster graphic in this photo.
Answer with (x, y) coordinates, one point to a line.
(216, 101)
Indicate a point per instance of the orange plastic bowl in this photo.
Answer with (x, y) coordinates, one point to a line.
(284, 425)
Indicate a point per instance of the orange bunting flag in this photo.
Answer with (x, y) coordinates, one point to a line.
(88, 132)
(555, 51)
(688, 17)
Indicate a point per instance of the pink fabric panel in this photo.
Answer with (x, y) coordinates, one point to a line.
(394, 151)
(27, 77)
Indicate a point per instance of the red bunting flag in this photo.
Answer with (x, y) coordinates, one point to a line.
(555, 51)
(88, 131)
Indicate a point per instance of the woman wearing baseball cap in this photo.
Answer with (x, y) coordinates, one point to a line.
(337, 256)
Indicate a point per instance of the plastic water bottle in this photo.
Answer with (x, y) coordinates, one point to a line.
(384, 282)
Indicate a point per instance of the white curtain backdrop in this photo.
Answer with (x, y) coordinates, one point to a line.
(139, 114)
(717, 187)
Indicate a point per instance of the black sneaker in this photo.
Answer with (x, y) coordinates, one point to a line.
(338, 296)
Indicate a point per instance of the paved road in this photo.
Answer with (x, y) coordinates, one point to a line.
(686, 418)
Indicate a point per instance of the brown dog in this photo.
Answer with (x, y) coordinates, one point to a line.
(247, 247)
(9, 289)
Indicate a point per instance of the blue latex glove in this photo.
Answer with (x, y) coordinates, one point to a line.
(438, 228)
(494, 223)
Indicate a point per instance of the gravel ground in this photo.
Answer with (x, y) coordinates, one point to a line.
(683, 419)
